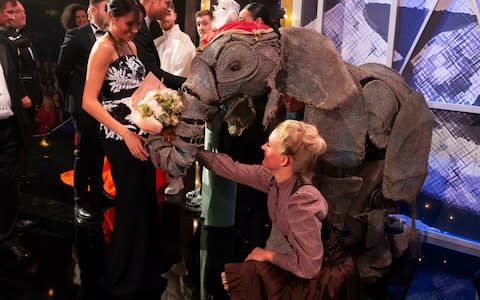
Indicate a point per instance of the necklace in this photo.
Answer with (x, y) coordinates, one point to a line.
(122, 47)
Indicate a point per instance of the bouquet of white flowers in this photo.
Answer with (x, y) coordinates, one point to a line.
(159, 108)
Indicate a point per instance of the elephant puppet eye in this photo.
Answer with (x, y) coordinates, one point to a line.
(234, 66)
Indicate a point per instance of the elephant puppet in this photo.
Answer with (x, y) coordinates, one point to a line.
(378, 130)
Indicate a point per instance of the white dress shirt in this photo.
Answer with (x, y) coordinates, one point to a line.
(176, 51)
(5, 100)
(19, 35)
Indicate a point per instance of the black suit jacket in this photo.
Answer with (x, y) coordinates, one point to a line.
(9, 61)
(29, 75)
(149, 57)
(28, 67)
(72, 66)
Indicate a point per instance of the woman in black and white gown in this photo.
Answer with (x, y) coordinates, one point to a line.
(133, 260)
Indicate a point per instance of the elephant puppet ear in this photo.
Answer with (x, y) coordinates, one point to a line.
(312, 70)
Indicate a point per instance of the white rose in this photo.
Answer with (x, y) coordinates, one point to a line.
(153, 105)
(177, 107)
(175, 121)
(168, 120)
(158, 111)
(150, 95)
(151, 125)
(136, 116)
(143, 101)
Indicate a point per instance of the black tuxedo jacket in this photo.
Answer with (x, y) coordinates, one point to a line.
(28, 67)
(72, 66)
(9, 61)
(149, 57)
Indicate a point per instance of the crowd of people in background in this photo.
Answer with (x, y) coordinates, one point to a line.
(30, 104)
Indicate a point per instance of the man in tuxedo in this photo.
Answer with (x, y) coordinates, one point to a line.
(71, 73)
(150, 30)
(13, 99)
(29, 75)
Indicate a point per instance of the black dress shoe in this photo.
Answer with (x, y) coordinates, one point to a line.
(86, 212)
(25, 224)
(15, 248)
(86, 217)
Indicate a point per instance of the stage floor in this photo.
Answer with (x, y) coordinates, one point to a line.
(57, 242)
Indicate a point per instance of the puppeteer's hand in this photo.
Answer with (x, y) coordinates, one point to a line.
(154, 132)
(135, 145)
(26, 102)
(169, 134)
(260, 254)
(150, 124)
(224, 281)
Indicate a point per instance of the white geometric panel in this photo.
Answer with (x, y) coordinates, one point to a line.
(436, 43)
(445, 64)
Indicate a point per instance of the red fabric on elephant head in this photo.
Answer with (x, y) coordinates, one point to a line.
(235, 27)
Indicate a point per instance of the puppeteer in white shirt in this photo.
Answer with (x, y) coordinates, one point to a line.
(175, 50)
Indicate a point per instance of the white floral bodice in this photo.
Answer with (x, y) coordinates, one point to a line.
(123, 77)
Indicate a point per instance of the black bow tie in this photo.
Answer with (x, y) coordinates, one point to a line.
(99, 32)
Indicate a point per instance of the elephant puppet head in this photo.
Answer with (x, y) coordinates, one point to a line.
(230, 69)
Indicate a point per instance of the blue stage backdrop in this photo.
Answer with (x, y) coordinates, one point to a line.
(445, 66)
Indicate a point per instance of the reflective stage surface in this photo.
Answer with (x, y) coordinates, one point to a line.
(67, 257)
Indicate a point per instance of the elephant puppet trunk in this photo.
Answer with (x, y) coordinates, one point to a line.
(177, 156)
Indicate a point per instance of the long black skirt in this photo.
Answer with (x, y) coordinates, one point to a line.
(134, 255)
(258, 280)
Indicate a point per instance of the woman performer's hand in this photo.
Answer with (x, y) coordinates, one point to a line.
(260, 254)
(224, 281)
(135, 145)
(169, 134)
